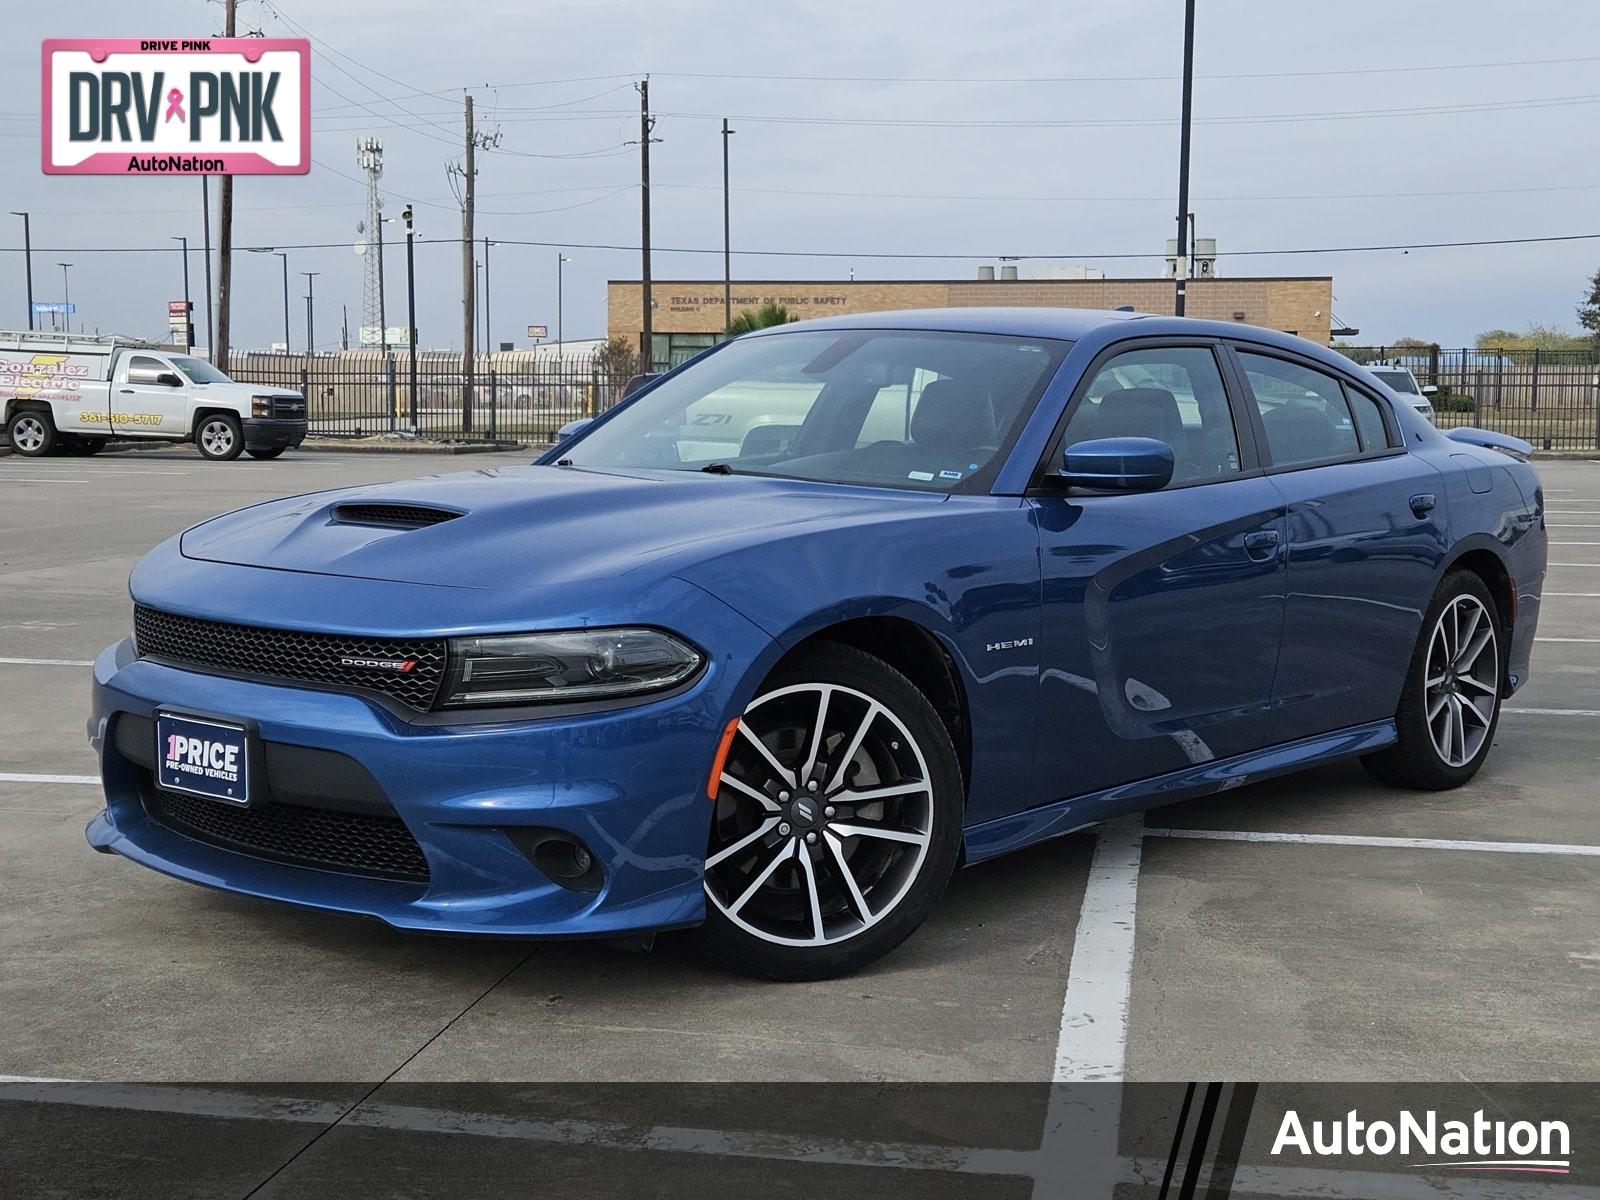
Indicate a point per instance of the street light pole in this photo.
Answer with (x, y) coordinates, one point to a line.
(188, 308)
(66, 298)
(1183, 158)
(488, 321)
(411, 310)
(27, 257)
(311, 301)
(561, 333)
(727, 242)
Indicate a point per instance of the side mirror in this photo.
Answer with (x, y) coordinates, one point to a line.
(168, 379)
(637, 382)
(1118, 464)
(1430, 389)
(572, 427)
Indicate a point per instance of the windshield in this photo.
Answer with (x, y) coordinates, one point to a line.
(885, 408)
(1399, 381)
(199, 370)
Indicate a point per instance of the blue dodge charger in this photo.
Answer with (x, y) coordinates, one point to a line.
(774, 645)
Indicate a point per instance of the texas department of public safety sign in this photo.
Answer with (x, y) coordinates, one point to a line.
(170, 106)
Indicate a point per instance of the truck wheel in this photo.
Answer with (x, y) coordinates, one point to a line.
(219, 437)
(33, 433)
(267, 453)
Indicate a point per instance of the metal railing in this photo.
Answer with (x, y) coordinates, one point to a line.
(514, 396)
(1548, 397)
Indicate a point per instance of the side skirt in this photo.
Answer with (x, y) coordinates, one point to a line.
(1005, 834)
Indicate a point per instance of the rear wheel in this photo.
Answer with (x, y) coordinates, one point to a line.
(1451, 705)
(219, 437)
(33, 433)
(267, 453)
(837, 821)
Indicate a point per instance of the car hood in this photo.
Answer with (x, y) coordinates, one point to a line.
(531, 526)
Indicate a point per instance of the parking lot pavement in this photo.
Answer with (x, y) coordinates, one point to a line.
(1451, 953)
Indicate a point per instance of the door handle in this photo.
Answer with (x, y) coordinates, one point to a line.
(1423, 503)
(1262, 544)
(126, 391)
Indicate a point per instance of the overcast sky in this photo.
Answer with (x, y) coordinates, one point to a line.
(1033, 127)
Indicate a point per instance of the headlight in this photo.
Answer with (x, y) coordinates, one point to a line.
(594, 664)
(260, 406)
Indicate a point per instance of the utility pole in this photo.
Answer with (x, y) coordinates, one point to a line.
(488, 324)
(188, 307)
(66, 297)
(311, 328)
(219, 353)
(646, 124)
(205, 209)
(27, 256)
(1183, 158)
(344, 328)
(727, 241)
(411, 311)
(469, 338)
(561, 333)
(369, 156)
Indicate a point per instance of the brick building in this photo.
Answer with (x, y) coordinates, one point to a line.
(689, 313)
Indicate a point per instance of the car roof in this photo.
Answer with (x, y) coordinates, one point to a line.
(1070, 324)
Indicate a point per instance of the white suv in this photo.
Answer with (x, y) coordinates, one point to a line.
(1403, 383)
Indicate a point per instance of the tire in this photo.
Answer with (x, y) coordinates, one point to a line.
(267, 454)
(219, 437)
(1467, 671)
(33, 434)
(865, 873)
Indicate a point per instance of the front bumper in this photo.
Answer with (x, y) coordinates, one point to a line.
(270, 433)
(629, 783)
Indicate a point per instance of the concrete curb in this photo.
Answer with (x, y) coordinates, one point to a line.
(405, 446)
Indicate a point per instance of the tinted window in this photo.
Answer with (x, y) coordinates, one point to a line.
(142, 369)
(1400, 381)
(1303, 411)
(1173, 394)
(1369, 420)
(892, 408)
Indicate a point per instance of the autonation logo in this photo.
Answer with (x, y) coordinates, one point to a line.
(1476, 1145)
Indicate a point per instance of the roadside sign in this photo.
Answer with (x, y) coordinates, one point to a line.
(171, 106)
(178, 310)
(53, 306)
(538, 331)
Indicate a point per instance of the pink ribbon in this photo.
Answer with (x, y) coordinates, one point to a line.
(175, 105)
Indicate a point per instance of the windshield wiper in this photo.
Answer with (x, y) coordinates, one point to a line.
(718, 469)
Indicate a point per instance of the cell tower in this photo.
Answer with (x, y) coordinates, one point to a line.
(369, 155)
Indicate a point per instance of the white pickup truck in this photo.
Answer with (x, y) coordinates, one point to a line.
(73, 393)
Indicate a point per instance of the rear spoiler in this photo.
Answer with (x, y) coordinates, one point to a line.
(1490, 440)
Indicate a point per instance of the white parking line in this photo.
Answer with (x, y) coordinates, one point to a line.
(37, 479)
(14, 777)
(1556, 543)
(1092, 1044)
(1574, 595)
(48, 662)
(1553, 712)
(1385, 843)
(1555, 639)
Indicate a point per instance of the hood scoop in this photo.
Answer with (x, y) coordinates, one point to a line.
(392, 516)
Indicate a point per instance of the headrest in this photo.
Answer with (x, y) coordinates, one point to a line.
(952, 416)
(1140, 412)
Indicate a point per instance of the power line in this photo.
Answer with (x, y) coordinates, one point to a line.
(853, 254)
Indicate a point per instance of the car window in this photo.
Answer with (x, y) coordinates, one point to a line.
(1302, 410)
(1369, 421)
(921, 409)
(144, 369)
(1400, 381)
(1173, 394)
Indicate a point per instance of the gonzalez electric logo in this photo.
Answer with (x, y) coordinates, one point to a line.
(1522, 1147)
(166, 106)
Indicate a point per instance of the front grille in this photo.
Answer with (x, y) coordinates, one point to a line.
(284, 408)
(392, 516)
(322, 658)
(354, 843)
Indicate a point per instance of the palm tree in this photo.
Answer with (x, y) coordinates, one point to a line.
(765, 317)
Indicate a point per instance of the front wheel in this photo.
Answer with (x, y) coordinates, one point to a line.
(33, 433)
(219, 437)
(1451, 704)
(837, 820)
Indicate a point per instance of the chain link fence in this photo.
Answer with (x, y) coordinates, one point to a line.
(516, 396)
(1550, 398)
